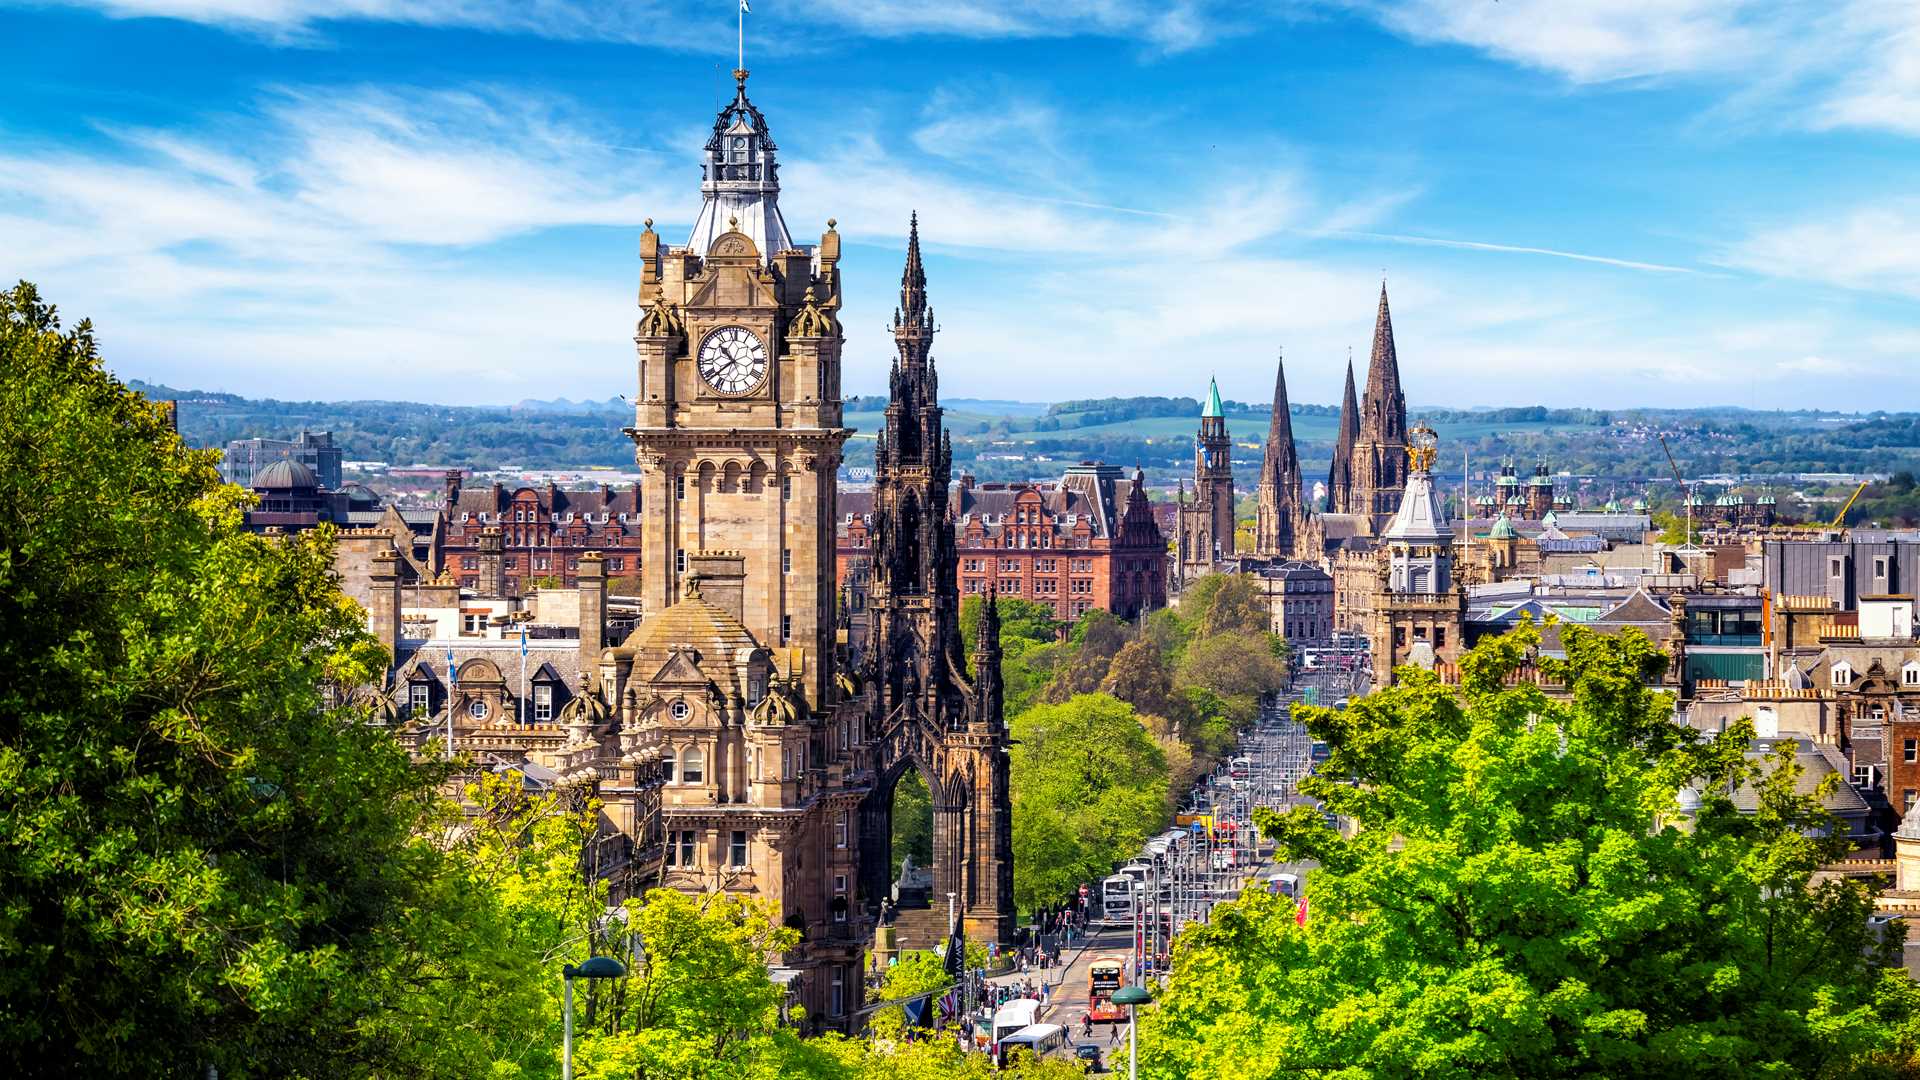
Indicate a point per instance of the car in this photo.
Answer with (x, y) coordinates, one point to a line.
(1088, 1054)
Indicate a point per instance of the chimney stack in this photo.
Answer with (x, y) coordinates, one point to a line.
(593, 609)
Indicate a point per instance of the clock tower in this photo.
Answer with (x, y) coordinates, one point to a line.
(737, 422)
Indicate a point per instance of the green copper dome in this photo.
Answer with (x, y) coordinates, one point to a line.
(1502, 528)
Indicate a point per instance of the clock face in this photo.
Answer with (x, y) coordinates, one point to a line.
(732, 360)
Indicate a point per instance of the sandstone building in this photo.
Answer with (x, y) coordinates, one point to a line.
(1086, 541)
(1204, 538)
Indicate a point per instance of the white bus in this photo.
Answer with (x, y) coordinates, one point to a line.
(1036, 1041)
(1116, 898)
(1014, 1017)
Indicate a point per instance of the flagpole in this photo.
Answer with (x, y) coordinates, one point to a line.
(741, 39)
(523, 668)
(453, 683)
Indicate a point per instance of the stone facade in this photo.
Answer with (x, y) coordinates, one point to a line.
(1086, 541)
(543, 532)
(923, 711)
(1418, 612)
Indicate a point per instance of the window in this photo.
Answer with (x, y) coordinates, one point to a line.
(737, 850)
(616, 563)
(786, 628)
(667, 769)
(1009, 566)
(1863, 776)
(1010, 585)
(1439, 637)
(679, 560)
(838, 1003)
(542, 704)
(786, 560)
(680, 486)
(680, 847)
(1842, 674)
(786, 487)
(840, 898)
(477, 709)
(1880, 566)
(678, 710)
(419, 699)
(1910, 675)
(693, 766)
(840, 830)
(1907, 800)
(1047, 566)
(1910, 751)
(473, 623)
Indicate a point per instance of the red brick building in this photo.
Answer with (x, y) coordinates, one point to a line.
(543, 531)
(1088, 540)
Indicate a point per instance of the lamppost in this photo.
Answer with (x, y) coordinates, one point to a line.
(595, 967)
(1132, 997)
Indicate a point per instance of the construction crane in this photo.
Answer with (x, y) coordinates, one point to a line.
(1686, 492)
(1840, 518)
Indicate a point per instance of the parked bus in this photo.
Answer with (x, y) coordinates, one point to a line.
(1033, 1042)
(1240, 768)
(1105, 976)
(1116, 898)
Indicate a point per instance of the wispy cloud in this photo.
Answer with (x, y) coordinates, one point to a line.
(1869, 248)
(1165, 26)
(1845, 63)
(1514, 249)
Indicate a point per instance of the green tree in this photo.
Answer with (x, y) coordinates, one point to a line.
(912, 821)
(914, 973)
(1525, 896)
(1089, 787)
(201, 863)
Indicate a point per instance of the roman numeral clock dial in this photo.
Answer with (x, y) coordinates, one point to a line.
(732, 360)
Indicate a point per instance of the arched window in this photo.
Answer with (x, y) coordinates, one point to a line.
(667, 770)
(693, 766)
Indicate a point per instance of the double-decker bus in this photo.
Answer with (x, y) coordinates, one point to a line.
(1105, 976)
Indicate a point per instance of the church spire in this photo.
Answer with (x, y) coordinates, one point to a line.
(1385, 418)
(913, 320)
(1279, 491)
(1340, 476)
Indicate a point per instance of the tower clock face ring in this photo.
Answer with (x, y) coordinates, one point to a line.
(733, 360)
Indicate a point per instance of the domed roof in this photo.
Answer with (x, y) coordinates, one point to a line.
(1502, 528)
(695, 622)
(285, 475)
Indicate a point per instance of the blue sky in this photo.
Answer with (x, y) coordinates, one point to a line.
(1610, 202)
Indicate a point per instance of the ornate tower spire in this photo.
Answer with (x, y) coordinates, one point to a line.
(1340, 475)
(1380, 467)
(740, 180)
(1385, 416)
(1279, 490)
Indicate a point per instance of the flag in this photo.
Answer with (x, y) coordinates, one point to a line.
(453, 676)
(744, 7)
(1300, 914)
(523, 641)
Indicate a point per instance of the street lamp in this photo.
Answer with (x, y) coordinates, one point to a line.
(1132, 997)
(595, 967)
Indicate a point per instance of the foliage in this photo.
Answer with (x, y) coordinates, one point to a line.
(200, 863)
(1089, 786)
(1029, 636)
(912, 974)
(912, 821)
(1524, 897)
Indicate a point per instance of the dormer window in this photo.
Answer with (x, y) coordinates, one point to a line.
(1842, 674)
(1910, 675)
(756, 686)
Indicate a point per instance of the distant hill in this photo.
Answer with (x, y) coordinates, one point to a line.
(1616, 451)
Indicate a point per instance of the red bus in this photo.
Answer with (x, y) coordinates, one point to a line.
(1107, 974)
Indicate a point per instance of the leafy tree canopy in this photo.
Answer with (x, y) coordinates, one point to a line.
(1089, 787)
(1525, 897)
